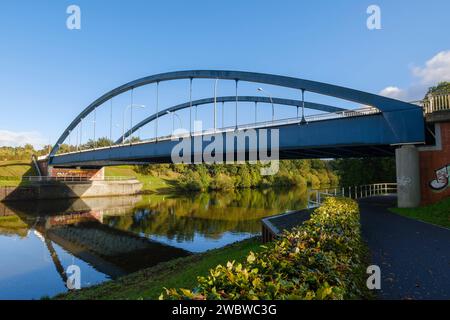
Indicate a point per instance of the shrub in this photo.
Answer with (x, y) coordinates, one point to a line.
(244, 178)
(300, 181)
(314, 181)
(283, 180)
(334, 179)
(324, 179)
(191, 181)
(222, 182)
(322, 259)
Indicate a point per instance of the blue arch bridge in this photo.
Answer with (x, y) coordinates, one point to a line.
(378, 128)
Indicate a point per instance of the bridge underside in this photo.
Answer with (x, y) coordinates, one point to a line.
(311, 153)
(361, 136)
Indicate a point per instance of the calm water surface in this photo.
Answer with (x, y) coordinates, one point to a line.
(111, 237)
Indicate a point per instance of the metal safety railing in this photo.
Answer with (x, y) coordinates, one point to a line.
(437, 102)
(79, 178)
(316, 197)
(265, 124)
(434, 102)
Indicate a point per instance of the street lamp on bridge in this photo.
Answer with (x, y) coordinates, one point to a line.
(173, 119)
(271, 101)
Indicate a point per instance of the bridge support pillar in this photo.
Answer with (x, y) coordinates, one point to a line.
(408, 176)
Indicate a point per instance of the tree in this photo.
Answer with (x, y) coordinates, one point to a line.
(360, 171)
(29, 147)
(441, 88)
(245, 180)
(104, 142)
(222, 182)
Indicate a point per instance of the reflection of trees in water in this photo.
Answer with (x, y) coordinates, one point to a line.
(209, 214)
(183, 228)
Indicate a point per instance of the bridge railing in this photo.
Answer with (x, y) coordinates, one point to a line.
(437, 103)
(265, 124)
(316, 197)
(434, 102)
(79, 178)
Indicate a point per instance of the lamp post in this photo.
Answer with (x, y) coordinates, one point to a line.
(271, 101)
(130, 106)
(173, 120)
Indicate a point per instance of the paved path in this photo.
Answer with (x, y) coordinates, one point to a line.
(414, 257)
(287, 221)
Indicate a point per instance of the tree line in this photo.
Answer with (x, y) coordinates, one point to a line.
(203, 177)
(313, 173)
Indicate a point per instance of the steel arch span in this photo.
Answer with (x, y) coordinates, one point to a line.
(398, 123)
(256, 99)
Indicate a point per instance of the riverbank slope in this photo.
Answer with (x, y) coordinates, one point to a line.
(149, 283)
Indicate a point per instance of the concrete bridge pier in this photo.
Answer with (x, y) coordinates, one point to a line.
(408, 176)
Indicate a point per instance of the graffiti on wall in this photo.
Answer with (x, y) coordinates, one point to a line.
(442, 179)
(84, 173)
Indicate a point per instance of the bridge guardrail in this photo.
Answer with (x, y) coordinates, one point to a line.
(316, 197)
(73, 179)
(434, 102)
(437, 102)
(310, 118)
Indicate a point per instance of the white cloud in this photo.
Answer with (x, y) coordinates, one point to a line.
(393, 92)
(16, 139)
(435, 70)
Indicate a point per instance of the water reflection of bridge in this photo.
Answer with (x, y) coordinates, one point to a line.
(77, 227)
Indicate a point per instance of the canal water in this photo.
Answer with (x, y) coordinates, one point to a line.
(110, 237)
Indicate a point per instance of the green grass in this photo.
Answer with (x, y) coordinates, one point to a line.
(11, 172)
(437, 213)
(10, 183)
(178, 273)
(15, 169)
(120, 171)
(156, 184)
(150, 183)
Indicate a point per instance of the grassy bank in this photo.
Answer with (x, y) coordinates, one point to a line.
(182, 272)
(151, 183)
(169, 178)
(181, 178)
(11, 172)
(438, 213)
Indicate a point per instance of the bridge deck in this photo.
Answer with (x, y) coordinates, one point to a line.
(359, 136)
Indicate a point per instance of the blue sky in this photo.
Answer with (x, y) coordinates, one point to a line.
(48, 73)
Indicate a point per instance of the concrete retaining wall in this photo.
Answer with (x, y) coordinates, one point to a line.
(59, 190)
